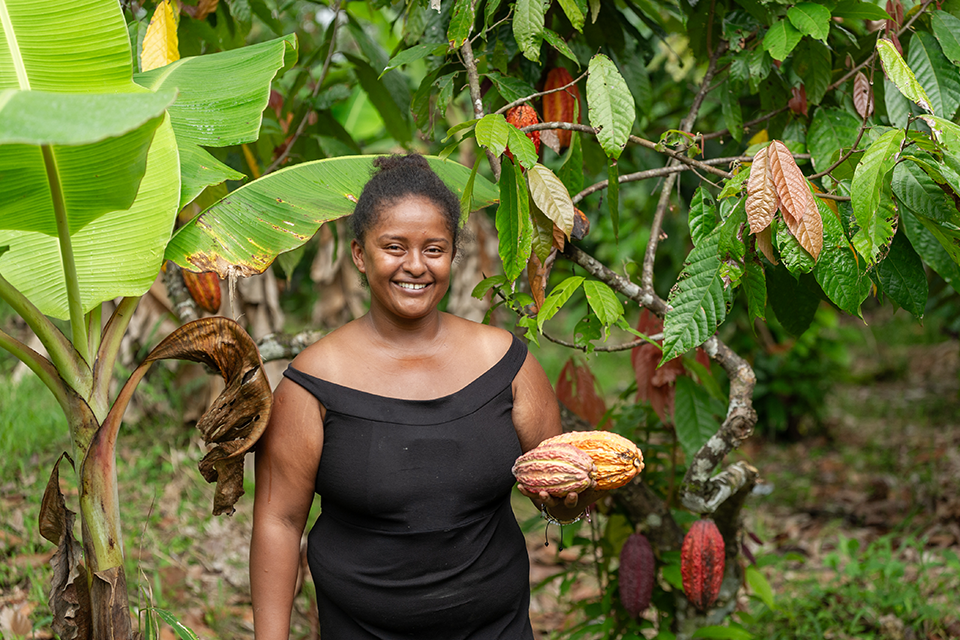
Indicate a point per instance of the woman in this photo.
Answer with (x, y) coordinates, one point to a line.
(419, 416)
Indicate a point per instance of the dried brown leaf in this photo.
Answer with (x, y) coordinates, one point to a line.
(792, 187)
(862, 95)
(549, 137)
(69, 597)
(577, 389)
(762, 202)
(808, 230)
(537, 275)
(581, 225)
(765, 245)
(655, 385)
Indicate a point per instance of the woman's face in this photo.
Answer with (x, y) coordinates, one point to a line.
(406, 257)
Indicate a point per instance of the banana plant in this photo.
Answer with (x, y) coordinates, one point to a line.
(95, 163)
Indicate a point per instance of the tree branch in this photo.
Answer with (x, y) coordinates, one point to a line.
(685, 125)
(600, 271)
(476, 100)
(316, 89)
(700, 492)
(608, 348)
(284, 346)
(534, 96)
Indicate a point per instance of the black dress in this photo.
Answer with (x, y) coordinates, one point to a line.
(417, 538)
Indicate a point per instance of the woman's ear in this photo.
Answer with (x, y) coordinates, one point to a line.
(356, 252)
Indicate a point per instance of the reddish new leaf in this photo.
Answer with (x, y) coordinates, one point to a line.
(577, 390)
(862, 95)
(537, 274)
(792, 187)
(808, 230)
(765, 245)
(798, 100)
(762, 201)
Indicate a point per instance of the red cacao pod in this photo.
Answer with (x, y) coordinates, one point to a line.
(204, 288)
(637, 573)
(559, 105)
(557, 469)
(701, 563)
(524, 116)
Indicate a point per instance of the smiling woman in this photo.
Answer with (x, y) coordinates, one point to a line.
(419, 416)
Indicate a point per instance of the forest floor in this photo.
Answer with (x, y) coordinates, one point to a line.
(877, 489)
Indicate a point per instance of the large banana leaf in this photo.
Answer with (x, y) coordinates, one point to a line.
(72, 47)
(117, 241)
(117, 254)
(100, 144)
(221, 102)
(243, 233)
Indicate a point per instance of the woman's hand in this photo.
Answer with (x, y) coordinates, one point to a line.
(569, 507)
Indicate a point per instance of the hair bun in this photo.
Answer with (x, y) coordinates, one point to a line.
(400, 161)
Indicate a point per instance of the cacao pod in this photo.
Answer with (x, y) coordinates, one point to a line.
(559, 105)
(524, 116)
(617, 459)
(204, 288)
(637, 573)
(701, 563)
(557, 469)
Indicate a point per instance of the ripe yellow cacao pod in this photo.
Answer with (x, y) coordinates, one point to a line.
(557, 469)
(204, 288)
(618, 460)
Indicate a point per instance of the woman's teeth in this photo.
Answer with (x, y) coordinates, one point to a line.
(409, 285)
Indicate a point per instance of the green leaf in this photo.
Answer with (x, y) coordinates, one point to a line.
(917, 192)
(760, 587)
(946, 27)
(702, 218)
(810, 19)
(945, 132)
(288, 261)
(692, 417)
(794, 301)
(903, 278)
(734, 185)
(461, 22)
(696, 300)
(266, 16)
(859, 10)
(70, 119)
(780, 39)
(900, 74)
(813, 63)
(220, 103)
(611, 106)
(930, 249)
(571, 172)
(557, 298)
(613, 196)
(489, 12)
(939, 78)
(603, 302)
(840, 272)
(870, 195)
(511, 89)
(831, 129)
(457, 128)
(558, 43)
(551, 197)
(282, 210)
(394, 118)
(542, 233)
(466, 198)
(488, 283)
(184, 633)
(493, 131)
(528, 20)
(522, 147)
(512, 215)
(794, 256)
(117, 240)
(899, 109)
(414, 53)
(573, 13)
(732, 116)
(722, 633)
(755, 288)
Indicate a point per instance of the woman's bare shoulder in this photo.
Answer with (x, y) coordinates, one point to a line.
(322, 359)
(481, 339)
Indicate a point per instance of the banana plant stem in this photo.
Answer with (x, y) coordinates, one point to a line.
(77, 323)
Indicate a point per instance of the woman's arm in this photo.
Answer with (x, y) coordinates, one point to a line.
(536, 416)
(287, 457)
